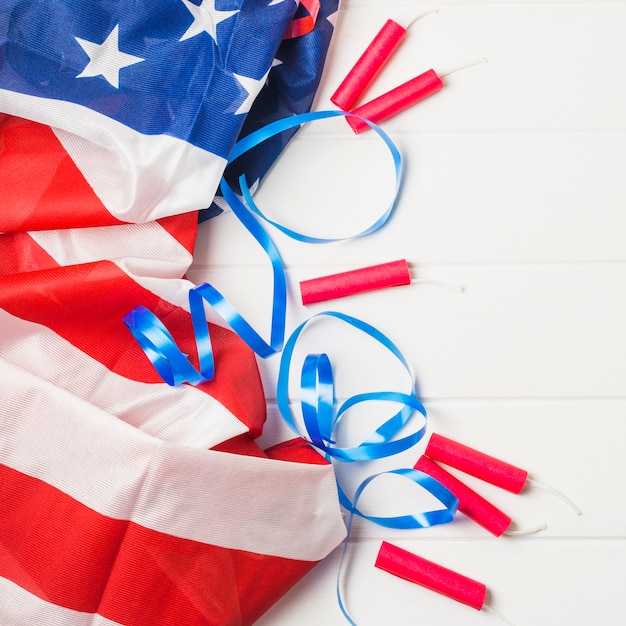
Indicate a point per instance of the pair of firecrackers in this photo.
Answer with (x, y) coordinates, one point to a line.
(477, 464)
(435, 577)
(365, 70)
(486, 468)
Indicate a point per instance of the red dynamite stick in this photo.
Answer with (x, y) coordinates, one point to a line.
(471, 504)
(396, 100)
(390, 274)
(417, 570)
(475, 463)
(369, 64)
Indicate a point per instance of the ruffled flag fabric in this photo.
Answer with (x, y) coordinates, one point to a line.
(124, 500)
(290, 91)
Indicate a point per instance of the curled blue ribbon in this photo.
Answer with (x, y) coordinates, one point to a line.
(281, 125)
(318, 406)
(422, 520)
(158, 344)
(320, 418)
(317, 400)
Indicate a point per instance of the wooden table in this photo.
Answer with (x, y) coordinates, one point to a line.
(514, 192)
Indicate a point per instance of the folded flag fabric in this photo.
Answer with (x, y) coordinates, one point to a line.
(147, 98)
(105, 524)
(124, 500)
(290, 89)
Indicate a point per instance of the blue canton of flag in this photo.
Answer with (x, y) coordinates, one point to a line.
(147, 98)
(290, 89)
(189, 70)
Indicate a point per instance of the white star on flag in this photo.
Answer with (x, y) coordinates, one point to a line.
(205, 19)
(253, 87)
(106, 59)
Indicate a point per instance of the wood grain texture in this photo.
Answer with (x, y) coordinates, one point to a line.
(514, 191)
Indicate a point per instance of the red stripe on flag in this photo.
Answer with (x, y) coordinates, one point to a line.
(297, 450)
(41, 186)
(54, 546)
(183, 228)
(63, 552)
(21, 253)
(242, 444)
(85, 305)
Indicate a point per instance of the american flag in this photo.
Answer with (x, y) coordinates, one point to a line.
(124, 500)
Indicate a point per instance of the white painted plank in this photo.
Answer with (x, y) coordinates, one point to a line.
(550, 66)
(574, 447)
(518, 331)
(529, 581)
(504, 197)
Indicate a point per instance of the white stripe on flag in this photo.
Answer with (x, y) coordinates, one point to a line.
(138, 177)
(269, 507)
(72, 246)
(183, 415)
(146, 252)
(25, 609)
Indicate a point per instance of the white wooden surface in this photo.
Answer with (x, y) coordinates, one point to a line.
(515, 192)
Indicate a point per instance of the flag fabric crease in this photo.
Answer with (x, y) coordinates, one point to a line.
(289, 90)
(123, 500)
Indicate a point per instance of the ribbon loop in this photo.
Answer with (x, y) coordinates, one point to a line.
(422, 520)
(162, 351)
(280, 126)
(159, 346)
(318, 402)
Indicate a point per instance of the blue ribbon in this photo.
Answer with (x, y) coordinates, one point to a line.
(317, 393)
(285, 124)
(320, 415)
(158, 344)
(320, 419)
(422, 520)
